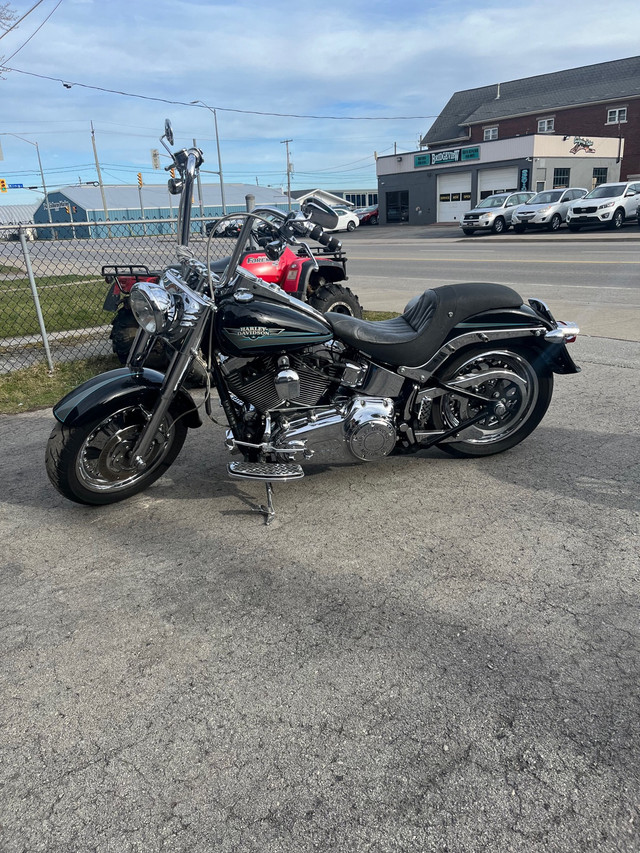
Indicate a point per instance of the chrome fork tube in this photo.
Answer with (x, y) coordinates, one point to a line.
(174, 376)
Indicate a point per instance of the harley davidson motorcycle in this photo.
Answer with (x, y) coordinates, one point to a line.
(468, 368)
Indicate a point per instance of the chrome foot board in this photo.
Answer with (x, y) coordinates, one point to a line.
(267, 472)
(279, 472)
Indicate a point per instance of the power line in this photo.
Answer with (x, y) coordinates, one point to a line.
(19, 21)
(69, 84)
(24, 43)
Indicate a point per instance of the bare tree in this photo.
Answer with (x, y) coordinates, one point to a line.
(7, 18)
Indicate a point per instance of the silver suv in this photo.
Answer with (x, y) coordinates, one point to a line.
(607, 204)
(547, 209)
(493, 213)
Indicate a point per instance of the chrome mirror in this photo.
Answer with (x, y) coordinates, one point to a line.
(168, 131)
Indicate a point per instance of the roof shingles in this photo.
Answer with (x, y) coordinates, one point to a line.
(605, 81)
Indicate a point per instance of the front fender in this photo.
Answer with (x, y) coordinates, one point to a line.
(95, 396)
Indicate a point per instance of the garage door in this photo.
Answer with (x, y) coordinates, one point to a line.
(497, 181)
(454, 196)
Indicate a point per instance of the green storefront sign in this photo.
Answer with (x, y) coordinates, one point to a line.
(455, 155)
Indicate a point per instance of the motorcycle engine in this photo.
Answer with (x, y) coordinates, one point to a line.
(290, 382)
(358, 427)
(313, 409)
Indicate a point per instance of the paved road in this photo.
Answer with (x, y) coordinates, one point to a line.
(425, 654)
(592, 278)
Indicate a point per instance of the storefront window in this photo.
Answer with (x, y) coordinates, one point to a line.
(398, 206)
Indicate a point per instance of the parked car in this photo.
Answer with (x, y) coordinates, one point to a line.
(493, 213)
(368, 215)
(547, 209)
(607, 204)
(229, 229)
(347, 219)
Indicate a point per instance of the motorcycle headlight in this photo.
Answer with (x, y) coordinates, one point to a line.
(153, 308)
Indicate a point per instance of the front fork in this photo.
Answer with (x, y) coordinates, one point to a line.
(176, 372)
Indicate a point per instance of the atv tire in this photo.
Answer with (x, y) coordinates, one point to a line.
(335, 297)
(123, 331)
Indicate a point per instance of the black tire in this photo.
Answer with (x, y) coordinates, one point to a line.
(555, 223)
(335, 297)
(351, 226)
(617, 220)
(519, 229)
(123, 331)
(373, 220)
(468, 231)
(574, 228)
(499, 225)
(87, 463)
(525, 400)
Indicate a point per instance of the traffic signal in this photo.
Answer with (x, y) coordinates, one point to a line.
(139, 179)
(3, 185)
(66, 207)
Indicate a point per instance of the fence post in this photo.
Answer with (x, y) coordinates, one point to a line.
(34, 294)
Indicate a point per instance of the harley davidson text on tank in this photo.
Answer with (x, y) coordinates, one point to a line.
(468, 368)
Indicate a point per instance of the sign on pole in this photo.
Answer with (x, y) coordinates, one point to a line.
(155, 158)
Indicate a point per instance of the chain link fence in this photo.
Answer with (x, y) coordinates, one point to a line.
(53, 290)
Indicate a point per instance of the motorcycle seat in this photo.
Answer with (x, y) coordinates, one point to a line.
(412, 338)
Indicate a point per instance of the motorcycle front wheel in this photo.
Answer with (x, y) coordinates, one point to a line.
(90, 463)
(522, 396)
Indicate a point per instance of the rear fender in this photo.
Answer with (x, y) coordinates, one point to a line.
(553, 356)
(332, 271)
(95, 397)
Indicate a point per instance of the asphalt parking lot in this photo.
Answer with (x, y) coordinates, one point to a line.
(425, 654)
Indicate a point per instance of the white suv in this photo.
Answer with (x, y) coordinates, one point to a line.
(607, 204)
(547, 209)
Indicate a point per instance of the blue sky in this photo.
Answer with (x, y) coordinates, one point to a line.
(365, 63)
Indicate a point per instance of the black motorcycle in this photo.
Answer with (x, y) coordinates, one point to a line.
(467, 368)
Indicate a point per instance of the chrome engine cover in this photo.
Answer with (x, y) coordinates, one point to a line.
(369, 428)
(360, 428)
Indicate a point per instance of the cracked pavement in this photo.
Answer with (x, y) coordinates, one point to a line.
(423, 654)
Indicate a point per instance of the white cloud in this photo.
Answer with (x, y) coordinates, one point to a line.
(352, 58)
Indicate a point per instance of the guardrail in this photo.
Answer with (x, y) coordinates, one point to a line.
(52, 289)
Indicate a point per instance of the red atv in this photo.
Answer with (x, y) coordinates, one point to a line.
(295, 273)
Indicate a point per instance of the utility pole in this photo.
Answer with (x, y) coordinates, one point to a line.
(199, 195)
(289, 169)
(104, 198)
(44, 186)
(219, 173)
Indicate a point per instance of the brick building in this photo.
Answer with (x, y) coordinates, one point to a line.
(578, 127)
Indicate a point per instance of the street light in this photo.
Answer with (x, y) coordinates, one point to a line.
(219, 172)
(44, 186)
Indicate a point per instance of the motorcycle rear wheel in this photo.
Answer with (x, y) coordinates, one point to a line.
(525, 400)
(89, 463)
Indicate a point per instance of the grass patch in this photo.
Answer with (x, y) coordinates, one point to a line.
(64, 306)
(380, 315)
(34, 387)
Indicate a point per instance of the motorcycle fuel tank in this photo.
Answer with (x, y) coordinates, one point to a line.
(262, 328)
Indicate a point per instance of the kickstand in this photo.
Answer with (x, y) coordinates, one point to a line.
(268, 511)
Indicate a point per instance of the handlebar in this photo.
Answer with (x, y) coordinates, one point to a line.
(332, 243)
